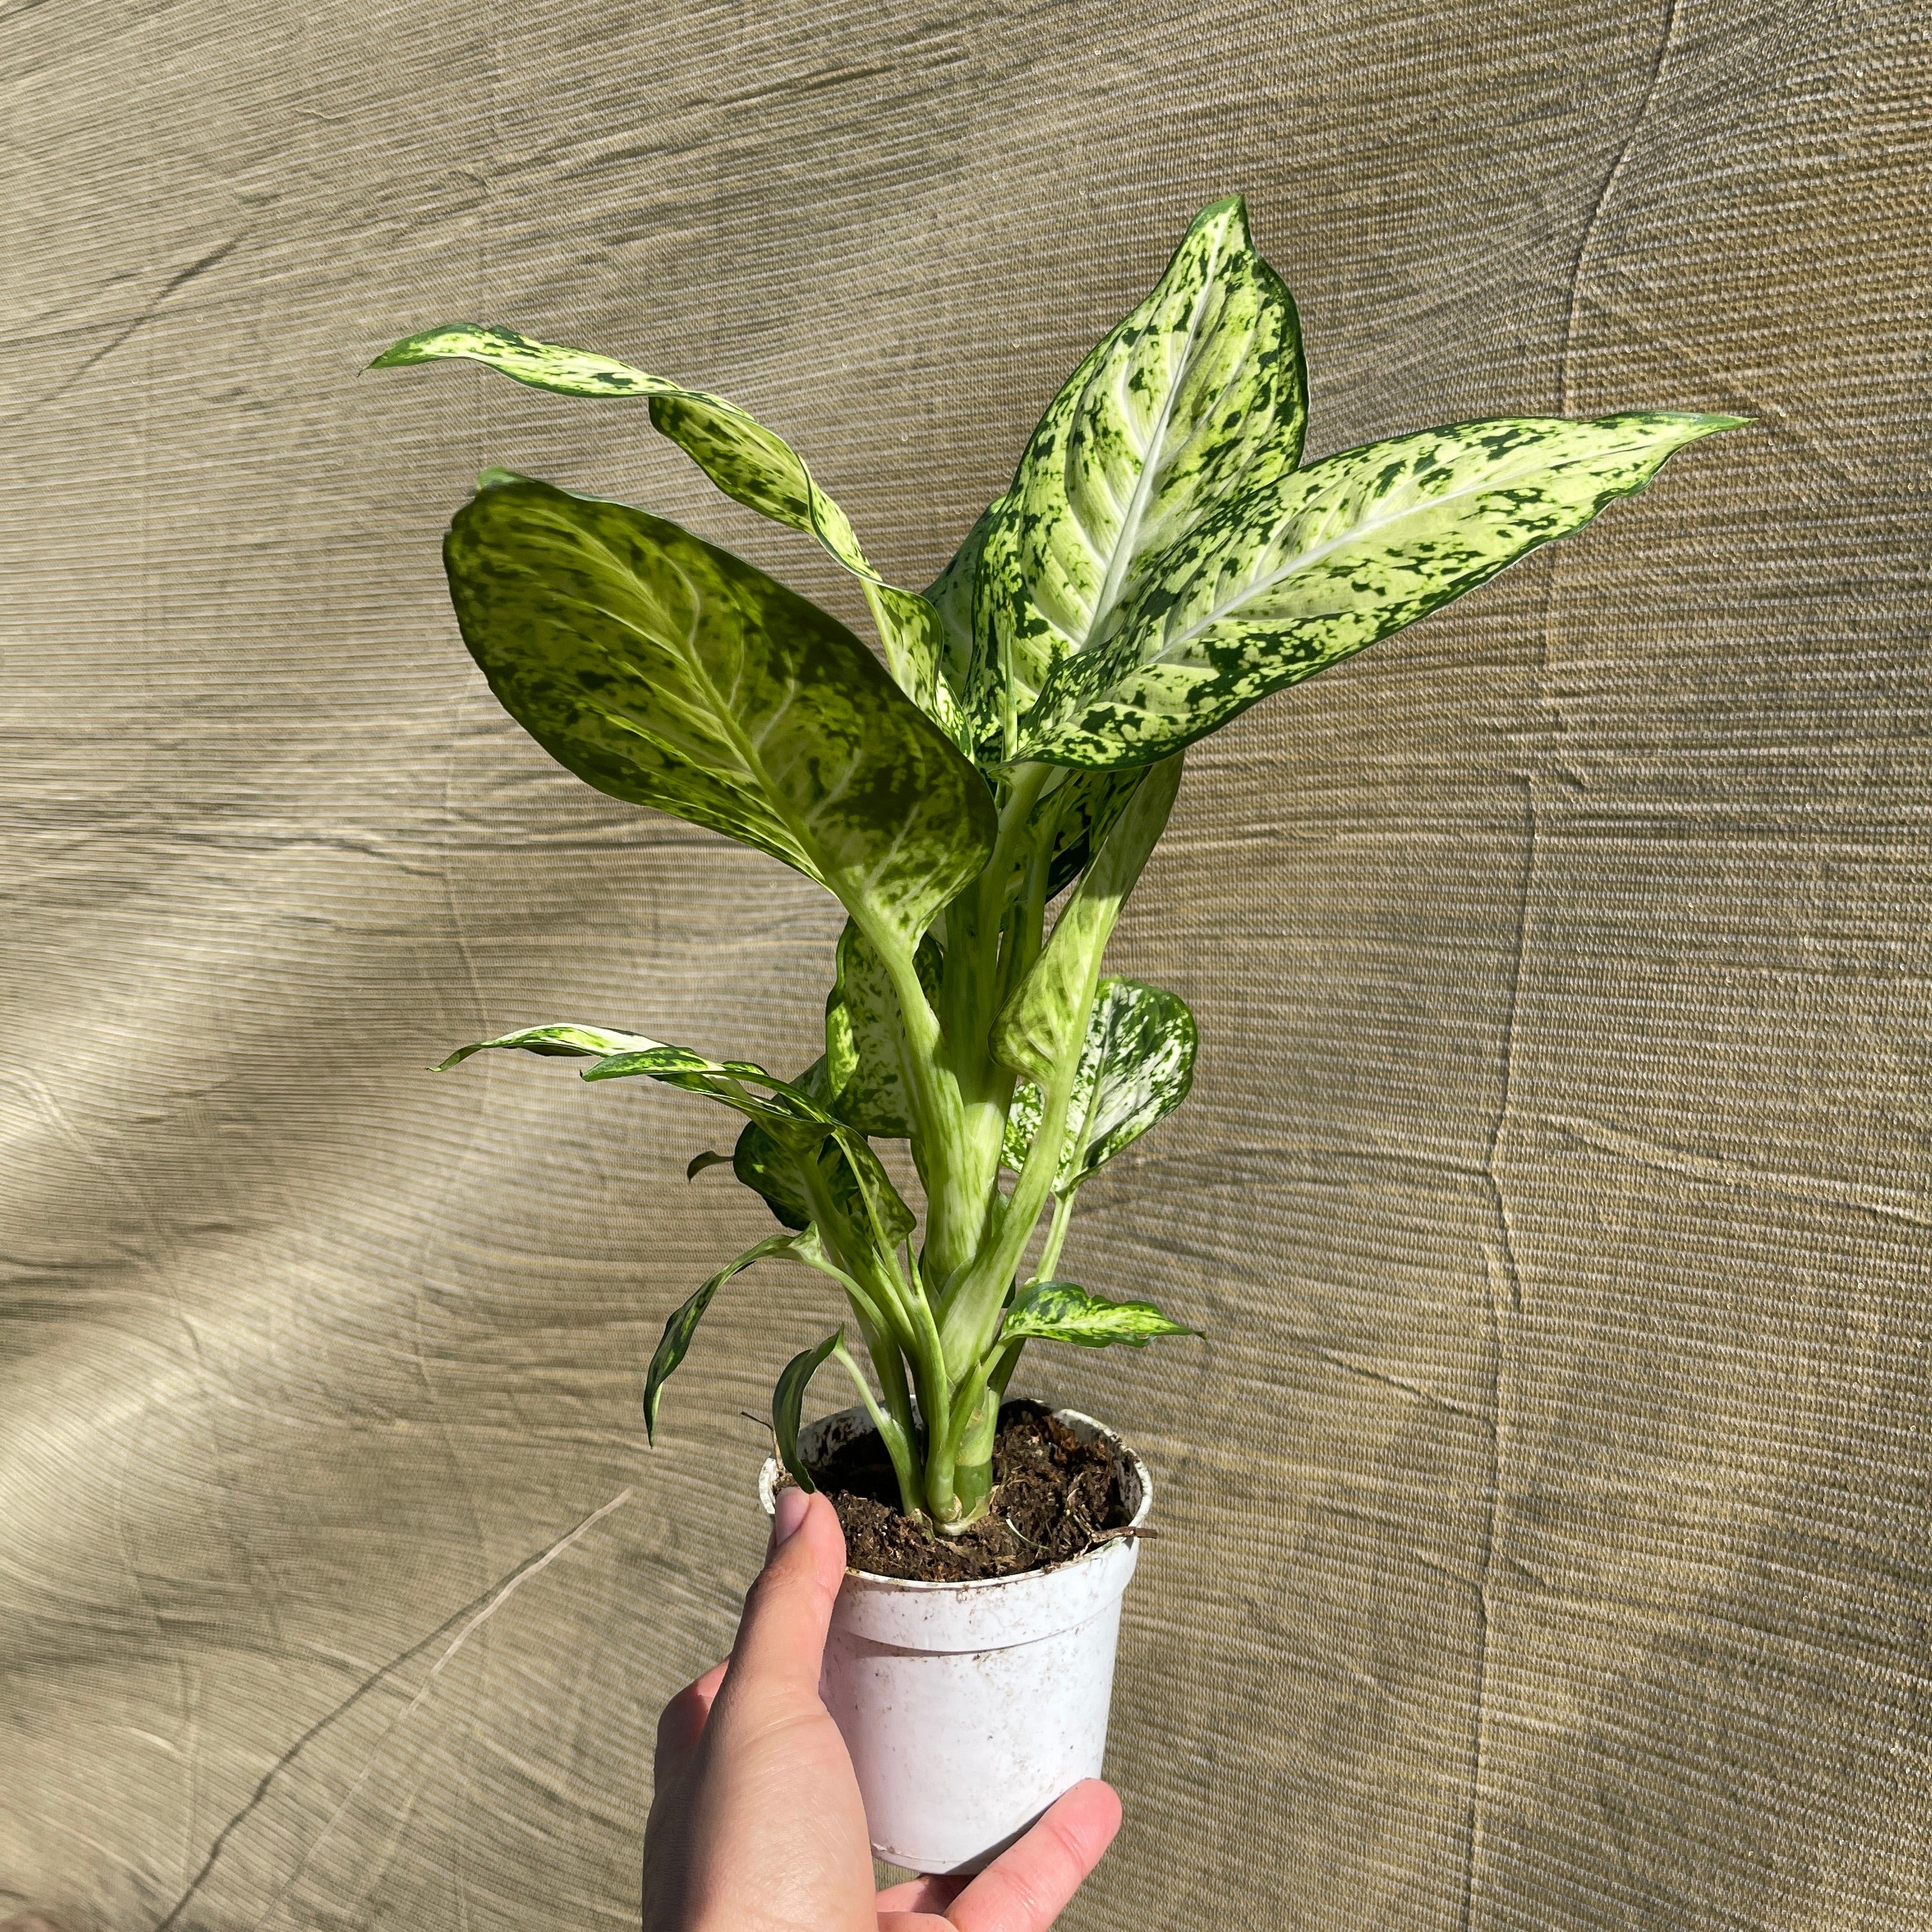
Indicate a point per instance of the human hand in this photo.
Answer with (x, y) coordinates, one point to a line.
(757, 1825)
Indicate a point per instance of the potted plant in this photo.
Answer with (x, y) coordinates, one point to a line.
(981, 805)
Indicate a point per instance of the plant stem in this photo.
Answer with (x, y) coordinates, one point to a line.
(1056, 1236)
(892, 1433)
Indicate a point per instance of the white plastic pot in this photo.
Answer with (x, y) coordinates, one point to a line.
(969, 1707)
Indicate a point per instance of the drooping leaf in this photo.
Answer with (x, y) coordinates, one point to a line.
(785, 1108)
(1135, 1066)
(669, 673)
(867, 1054)
(749, 462)
(1058, 1311)
(564, 1039)
(1043, 1024)
(1198, 392)
(1289, 577)
(788, 1404)
(678, 1331)
(698, 1162)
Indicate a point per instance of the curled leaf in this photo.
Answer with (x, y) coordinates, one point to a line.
(678, 1331)
(752, 464)
(788, 1404)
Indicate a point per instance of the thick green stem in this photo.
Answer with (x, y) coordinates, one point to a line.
(976, 981)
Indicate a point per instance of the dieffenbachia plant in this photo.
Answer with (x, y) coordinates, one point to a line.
(1162, 560)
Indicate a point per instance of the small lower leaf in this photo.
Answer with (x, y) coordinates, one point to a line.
(788, 1404)
(1058, 1311)
(678, 1331)
(698, 1162)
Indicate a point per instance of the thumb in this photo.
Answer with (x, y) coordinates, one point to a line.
(781, 1636)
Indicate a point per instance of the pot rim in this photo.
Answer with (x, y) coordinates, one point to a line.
(773, 1470)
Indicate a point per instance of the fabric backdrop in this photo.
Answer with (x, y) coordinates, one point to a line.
(1546, 1518)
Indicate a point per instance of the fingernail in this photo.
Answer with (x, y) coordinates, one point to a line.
(787, 1512)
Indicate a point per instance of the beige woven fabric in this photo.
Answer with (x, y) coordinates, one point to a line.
(1547, 1520)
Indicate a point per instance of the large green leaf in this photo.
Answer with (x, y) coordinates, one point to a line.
(867, 1054)
(1198, 392)
(1292, 576)
(1135, 1066)
(788, 1404)
(676, 1343)
(749, 463)
(1042, 1026)
(1058, 1311)
(665, 671)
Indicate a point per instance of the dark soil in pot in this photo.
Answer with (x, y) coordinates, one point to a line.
(1054, 1497)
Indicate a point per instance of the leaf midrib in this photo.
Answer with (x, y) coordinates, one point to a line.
(1306, 560)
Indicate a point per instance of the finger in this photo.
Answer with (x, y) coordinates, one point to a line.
(681, 1722)
(1024, 1889)
(781, 1637)
(918, 1894)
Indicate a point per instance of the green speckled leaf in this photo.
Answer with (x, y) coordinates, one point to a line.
(1058, 1311)
(788, 1404)
(667, 672)
(749, 463)
(867, 1054)
(1136, 1065)
(1307, 569)
(1198, 393)
(1084, 809)
(675, 1343)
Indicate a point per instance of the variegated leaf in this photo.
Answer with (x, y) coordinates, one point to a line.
(1135, 1066)
(789, 1111)
(1084, 807)
(1042, 1024)
(951, 596)
(563, 1039)
(749, 463)
(1058, 1311)
(788, 1404)
(675, 1343)
(667, 672)
(1198, 393)
(867, 1054)
(1291, 576)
